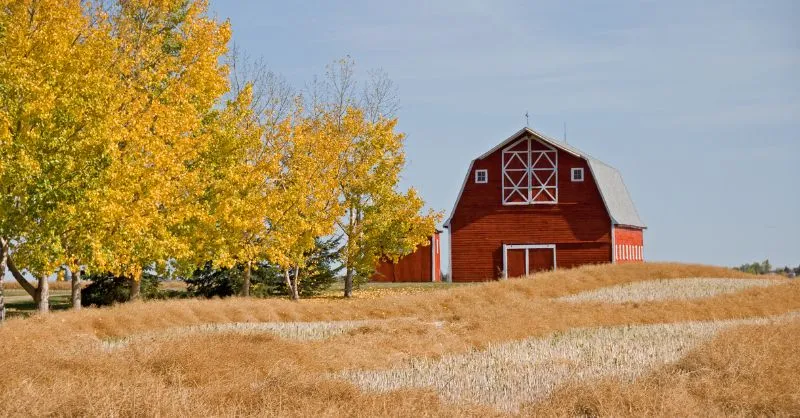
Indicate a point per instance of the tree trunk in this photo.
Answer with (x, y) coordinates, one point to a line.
(40, 294)
(246, 282)
(136, 288)
(348, 277)
(348, 282)
(76, 288)
(2, 291)
(3, 256)
(291, 285)
(296, 285)
(32, 291)
(42, 297)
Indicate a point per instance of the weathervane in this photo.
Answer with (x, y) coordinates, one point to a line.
(527, 121)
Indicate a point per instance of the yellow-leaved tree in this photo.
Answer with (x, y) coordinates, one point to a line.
(169, 58)
(308, 203)
(57, 98)
(239, 166)
(379, 220)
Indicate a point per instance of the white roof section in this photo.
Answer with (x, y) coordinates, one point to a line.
(609, 181)
(615, 194)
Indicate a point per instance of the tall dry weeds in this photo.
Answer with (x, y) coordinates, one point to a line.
(263, 374)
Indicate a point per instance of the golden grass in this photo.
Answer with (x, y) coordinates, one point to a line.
(264, 374)
(303, 331)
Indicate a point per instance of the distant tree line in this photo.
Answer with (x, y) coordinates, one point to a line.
(764, 267)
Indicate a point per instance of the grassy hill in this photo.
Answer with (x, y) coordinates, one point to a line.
(593, 340)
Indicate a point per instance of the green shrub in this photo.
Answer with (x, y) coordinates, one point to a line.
(266, 279)
(209, 282)
(106, 289)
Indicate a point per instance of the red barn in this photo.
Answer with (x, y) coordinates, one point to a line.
(423, 265)
(532, 203)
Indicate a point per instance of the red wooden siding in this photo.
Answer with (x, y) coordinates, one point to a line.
(629, 244)
(578, 225)
(415, 267)
(540, 260)
(516, 263)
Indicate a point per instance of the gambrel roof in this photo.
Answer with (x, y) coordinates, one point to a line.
(609, 181)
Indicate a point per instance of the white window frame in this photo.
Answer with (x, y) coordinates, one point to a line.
(526, 247)
(485, 173)
(530, 193)
(572, 174)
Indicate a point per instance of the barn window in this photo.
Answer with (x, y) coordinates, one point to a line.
(481, 176)
(529, 173)
(577, 174)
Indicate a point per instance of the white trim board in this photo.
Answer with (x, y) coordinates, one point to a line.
(613, 245)
(507, 247)
(450, 254)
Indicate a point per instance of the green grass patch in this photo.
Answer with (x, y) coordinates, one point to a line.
(20, 304)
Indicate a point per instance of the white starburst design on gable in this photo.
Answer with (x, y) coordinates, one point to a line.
(530, 172)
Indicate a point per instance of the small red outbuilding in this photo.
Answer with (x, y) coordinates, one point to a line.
(423, 265)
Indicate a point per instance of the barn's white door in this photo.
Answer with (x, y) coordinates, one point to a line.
(525, 259)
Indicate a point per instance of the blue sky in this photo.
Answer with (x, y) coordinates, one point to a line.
(697, 103)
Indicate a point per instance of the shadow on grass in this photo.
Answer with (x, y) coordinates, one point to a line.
(23, 306)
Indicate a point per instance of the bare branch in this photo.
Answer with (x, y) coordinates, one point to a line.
(340, 85)
(273, 97)
(379, 98)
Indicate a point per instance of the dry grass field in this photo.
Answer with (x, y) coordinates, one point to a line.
(669, 289)
(512, 347)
